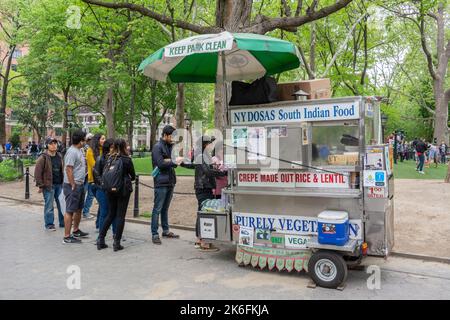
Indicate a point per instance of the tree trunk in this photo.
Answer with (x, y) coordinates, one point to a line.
(443, 52)
(109, 113)
(153, 114)
(312, 54)
(66, 108)
(131, 116)
(179, 113)
(447, 179)
(109, 97)
(4, 98)
(441, 112)
(231, 15)
(153, 131)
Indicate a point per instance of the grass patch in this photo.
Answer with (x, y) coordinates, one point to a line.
(145, 214)
(8, 172)
(407, 170)
(143, 166)
(28, 162)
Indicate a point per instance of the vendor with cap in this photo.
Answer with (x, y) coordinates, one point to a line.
(49, 177)
(205, 180)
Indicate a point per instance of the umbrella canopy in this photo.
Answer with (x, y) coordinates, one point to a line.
(199, 58)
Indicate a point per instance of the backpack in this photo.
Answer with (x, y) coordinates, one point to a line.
(112, 178)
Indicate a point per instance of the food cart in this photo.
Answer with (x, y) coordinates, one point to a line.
(310, 182)
(297, 171)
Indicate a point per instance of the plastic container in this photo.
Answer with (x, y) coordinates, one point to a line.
(333, 227)
(155, 172)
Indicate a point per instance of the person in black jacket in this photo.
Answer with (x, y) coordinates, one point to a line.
(100, 194)
(118, 201)
(421, 147)
(164, 183)
(205, 182)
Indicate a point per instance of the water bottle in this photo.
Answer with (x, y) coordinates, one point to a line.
(155, 172)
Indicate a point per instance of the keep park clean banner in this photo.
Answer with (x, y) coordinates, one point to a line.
(200, 44)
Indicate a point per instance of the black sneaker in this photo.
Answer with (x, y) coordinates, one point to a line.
(156, 240)
(51, 228)
(80, 234)
(71, 239)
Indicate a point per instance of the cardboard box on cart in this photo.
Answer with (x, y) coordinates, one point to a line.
(317, 89)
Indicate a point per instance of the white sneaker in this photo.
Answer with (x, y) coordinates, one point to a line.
(421, 172)
(88, 217)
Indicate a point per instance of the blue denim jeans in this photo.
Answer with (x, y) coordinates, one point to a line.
(51, 195)
(103, 208)
(163, 196)
(89, 198)
(421, 162)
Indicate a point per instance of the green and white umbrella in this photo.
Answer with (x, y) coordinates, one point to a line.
(201, 58)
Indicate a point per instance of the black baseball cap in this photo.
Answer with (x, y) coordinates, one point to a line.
(168, 130)
(50, 140)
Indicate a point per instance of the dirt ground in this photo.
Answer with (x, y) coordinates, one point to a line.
(422, 211)
(422, 217)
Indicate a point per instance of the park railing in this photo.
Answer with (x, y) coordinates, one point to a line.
(142, 189)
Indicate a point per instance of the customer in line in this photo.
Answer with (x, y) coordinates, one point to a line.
(49, 176)
(100, 193)
(164, 181)
(88, 191)
(74, 177)
(118, 200)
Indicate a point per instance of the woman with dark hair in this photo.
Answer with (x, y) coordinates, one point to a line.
(118, 201)
(94, 150)
(205, 182)
(100, 194)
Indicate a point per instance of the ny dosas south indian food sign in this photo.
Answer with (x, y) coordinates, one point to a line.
(290, 114)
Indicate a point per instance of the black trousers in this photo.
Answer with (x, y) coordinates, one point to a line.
(118, 205)
(202, 195)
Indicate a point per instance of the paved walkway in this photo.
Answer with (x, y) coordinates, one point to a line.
(33, 265)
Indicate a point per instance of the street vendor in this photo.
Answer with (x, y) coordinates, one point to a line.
(205, 182)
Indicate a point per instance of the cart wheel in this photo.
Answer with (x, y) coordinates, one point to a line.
(327, 268)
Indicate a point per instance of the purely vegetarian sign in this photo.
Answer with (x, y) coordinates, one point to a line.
(289, 224)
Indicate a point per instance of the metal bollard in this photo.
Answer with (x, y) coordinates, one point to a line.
(136, 197)
(27, 183)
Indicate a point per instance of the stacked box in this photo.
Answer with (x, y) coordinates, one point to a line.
(316, 89)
